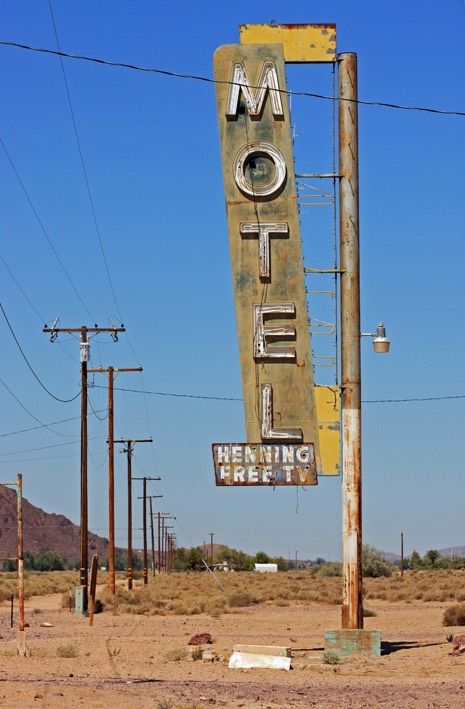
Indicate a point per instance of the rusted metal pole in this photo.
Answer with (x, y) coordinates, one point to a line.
(152, 535)
(111, 488)
(129, 481)
(19, 495)
(84, 505)
(352, 611)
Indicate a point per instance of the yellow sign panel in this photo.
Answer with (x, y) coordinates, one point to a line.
(328, 409)
(301, 43)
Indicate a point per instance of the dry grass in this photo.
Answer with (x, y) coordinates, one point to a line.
(37, 583)
(197, 593)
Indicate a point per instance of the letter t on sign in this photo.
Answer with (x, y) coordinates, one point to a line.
(264, 231)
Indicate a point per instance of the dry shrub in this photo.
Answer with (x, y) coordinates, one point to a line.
(455, 615)
(176, 654)
(67, 650)
(241, 599)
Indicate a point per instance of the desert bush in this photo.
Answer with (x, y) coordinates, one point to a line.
(330, 568)
(368, 613)
(374, 564)
(241, 599)
(455, 615)
(67, 650)
(176, 654)
(330, 657)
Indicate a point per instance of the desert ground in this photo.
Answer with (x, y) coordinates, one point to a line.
(143, 657)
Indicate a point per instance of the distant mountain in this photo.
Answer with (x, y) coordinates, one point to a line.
(42, 531)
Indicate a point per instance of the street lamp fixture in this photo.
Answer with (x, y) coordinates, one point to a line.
(381, 343)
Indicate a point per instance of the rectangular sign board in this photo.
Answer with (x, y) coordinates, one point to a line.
(264, 464)
(265, 245)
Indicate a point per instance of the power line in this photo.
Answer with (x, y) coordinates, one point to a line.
(232, 398)
(24, 407)
(43, 229)
(209, 80)
(36, 376)
(83, 164)
(42, 448)
(45, 425)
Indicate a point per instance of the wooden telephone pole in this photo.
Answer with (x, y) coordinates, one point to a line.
(84, 358)
(152, 533)
(144, 521)
(111, 470)
(128, 450)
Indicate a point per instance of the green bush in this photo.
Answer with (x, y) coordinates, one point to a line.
(374, 564)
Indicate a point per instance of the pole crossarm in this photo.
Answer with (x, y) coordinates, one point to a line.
(106, 370)
(88, 329)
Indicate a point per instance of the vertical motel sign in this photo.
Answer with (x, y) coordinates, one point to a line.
(268, 273)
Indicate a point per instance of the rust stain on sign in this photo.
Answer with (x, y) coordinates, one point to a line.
(260, 464)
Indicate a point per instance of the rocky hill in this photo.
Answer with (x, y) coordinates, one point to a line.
(42, 531)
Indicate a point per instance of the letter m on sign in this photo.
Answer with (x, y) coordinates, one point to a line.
(254, 96)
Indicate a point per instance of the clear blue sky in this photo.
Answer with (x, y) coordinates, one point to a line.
(151, 149)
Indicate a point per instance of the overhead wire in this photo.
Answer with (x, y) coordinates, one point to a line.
(44, 425)
(209, 80)
(43, 229)
(236, 398)
(83, 163)
(36, 376)
(24, 407)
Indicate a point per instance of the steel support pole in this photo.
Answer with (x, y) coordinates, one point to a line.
(352, 611)
(84, 506)
(111, 488)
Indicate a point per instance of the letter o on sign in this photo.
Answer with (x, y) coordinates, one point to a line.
(244, 158)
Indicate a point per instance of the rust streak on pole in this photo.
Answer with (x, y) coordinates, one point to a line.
(84, 506)
(352, 611)
(111, 488)
(19, 486)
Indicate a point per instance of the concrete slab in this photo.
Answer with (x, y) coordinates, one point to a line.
(278, 651)
(250, 660)
(347, 642)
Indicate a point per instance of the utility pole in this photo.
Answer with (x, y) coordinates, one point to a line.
(144, 521)
(19, 495)
(128, 450)
(84, 358)
(111, 470)
(151, 497)
(401, 553)
(167, 547)
(352, 610)
(211, 546)
(296, 560)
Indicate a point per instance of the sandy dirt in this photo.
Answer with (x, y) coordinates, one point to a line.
(122, 660)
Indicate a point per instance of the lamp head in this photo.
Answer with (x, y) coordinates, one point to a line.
(381, 343)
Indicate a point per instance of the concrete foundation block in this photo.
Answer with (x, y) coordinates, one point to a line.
(275, 650)
(347, 642)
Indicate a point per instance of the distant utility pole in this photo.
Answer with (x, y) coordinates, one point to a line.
(84, 358)
(296, 560)
(401, 553)
(111, 470)
(211, 545)
(128, 450)
(167, 547)
(144, 520)
(152, 534)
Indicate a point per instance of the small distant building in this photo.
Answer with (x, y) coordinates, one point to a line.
(266, 568)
